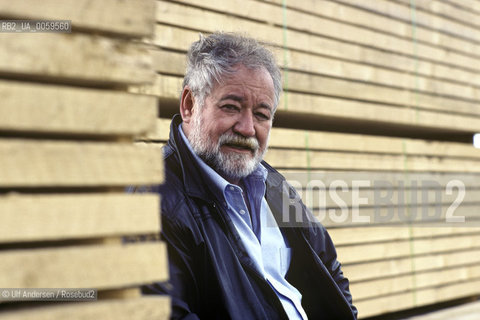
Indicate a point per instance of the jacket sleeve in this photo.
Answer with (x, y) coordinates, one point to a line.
(324, 247)
(281, 195)
(184, 288)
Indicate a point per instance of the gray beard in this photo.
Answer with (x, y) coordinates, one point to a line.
(231, 166)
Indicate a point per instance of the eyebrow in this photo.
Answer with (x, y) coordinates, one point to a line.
(232, 97)
(266, 106)
(241, 99)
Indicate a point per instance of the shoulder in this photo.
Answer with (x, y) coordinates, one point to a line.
(172, 190)
(178, 211)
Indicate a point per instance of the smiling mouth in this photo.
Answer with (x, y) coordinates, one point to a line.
(239, 144)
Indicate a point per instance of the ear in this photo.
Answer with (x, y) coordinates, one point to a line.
(186, 105)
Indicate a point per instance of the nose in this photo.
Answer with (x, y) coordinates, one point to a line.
(244, 125)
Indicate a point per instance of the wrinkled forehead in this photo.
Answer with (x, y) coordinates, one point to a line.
(240, 78)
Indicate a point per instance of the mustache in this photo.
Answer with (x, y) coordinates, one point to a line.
(239, 141)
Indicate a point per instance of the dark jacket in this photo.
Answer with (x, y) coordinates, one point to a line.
(212, 276)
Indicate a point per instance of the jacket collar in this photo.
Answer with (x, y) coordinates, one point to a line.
(195, 182)
(285, 202)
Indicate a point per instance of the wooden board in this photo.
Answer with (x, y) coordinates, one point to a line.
(31, 163)
(173, 63)
(320, 140)
(374, 289)
(202, 20)
(466, 5)
(369, 234)
(446, 10)
(321, 26)
(28, 107)
(398, 249)
(468, 310)
(465, 215)
(417, 298)
(130, 18)
(74, 58)
(145, 308)
(180, 39)
(319, 160)
(169, 87)
(169, 62)
(315, 140)
(371, 270)
(176, 38)
(318, 195)
(384, 304)
(100, 267)
(312, 84)
(161, 131)
(338, 107)
(394, 179)
(422, 19)
(372, 20)
(27, 218)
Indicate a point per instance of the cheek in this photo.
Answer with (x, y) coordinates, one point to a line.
(213, 132)
(262, 136)
(221, 127)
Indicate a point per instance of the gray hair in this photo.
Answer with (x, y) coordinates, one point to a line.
(213, 57)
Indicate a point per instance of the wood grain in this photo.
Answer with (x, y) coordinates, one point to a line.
(100, 267)
(202, 20)
(31, 163)
(175, 37)
(28, 218)
(75, 58)
(169, 87)
(36, 108)
(144, 308)
(132, 18)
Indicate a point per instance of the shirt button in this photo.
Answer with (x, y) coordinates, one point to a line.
(242, 211)
(231, 188)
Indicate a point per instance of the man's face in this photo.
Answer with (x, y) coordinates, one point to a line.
(230, 132)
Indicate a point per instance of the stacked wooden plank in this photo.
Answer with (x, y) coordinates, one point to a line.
(363, 70)
(67, 126)
(396, 83)
(404, 213)
(468, 311)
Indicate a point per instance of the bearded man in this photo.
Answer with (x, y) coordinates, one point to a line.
(222, 204)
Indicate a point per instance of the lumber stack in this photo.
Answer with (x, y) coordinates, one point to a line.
(67, 126)
(403, 213)
(376, 120)
(343, 63)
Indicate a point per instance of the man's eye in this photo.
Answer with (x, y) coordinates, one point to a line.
(262, 116)
(230, 107)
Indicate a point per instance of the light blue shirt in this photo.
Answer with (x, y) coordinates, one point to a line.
(258, 231)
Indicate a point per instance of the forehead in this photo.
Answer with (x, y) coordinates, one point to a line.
(247, 81)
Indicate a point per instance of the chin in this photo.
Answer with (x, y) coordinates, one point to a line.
(237, 166)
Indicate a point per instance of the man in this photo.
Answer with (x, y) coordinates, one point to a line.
(222, 205)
